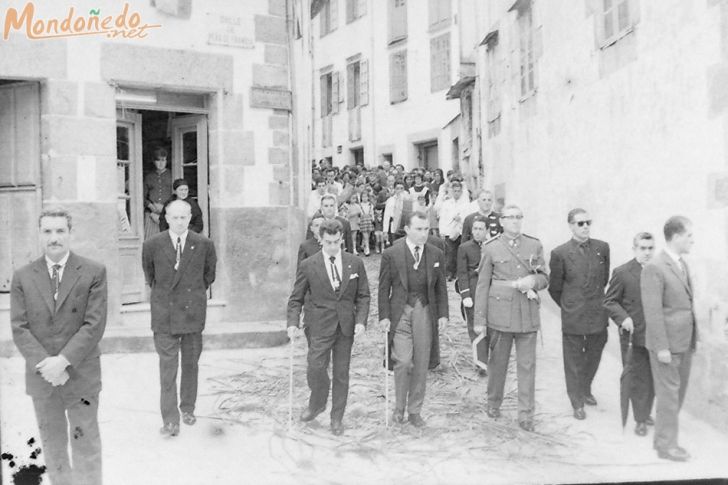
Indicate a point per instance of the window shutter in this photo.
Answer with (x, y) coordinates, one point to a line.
(350, 87)
(324, 97)
(335, 92)
(333, 15)
(398, 76)
(363, 83)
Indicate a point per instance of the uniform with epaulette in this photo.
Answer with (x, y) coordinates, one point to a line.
(468, 263)
(511, 272)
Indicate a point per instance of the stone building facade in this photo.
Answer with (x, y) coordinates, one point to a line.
(81, 114)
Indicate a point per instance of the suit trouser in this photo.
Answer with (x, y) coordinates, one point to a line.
(483, 344)
(411, 355)
(56, 414)
(671, 383)
(168, 347)
(642, 391)
(451, 256)
(321, 350)
(582, 354)
(500, 352)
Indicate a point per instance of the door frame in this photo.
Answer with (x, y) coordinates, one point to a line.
(187, 124)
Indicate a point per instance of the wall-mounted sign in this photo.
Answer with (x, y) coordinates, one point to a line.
(229, 30)
(270, 98)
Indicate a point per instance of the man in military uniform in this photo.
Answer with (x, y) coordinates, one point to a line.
(468, 263)
(512, 270)
(485, 209)
(579, 273)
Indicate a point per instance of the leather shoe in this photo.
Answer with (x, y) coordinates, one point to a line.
(589, 400)
(674, 454)
(170, 429)
(493, 412)
(398, 417)
(579, 413)
(649, 421)
(337, 428)
(640, 429)
(189, 419)
(526, 425)
(416, 420)
(308, 415)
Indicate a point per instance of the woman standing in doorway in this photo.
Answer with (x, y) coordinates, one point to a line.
(157, 189)
(182, 191)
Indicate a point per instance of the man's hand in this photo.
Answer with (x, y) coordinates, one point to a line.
(384, 324)
(359, 329)
(627, 325)
(293, 332)
(61, 379)
(51, 368)
(664, 356)
(468, 302)
(478, 329)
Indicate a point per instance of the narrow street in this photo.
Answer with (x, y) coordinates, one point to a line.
(242, 435)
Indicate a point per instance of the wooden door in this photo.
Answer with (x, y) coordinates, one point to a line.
(130, 204)
(189, 159)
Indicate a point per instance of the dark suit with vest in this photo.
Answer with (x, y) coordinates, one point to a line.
(667, 300)
(466, 284)
(413, 299)
(330, 316)
(579, 274)
(71, 326)
(179, 309)
(624, 300)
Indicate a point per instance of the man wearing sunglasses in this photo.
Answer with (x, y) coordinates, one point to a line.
(579, 273)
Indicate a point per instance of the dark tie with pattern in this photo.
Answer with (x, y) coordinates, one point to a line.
(417, 256)
(335, 272)
(179, 253)
(55, 280)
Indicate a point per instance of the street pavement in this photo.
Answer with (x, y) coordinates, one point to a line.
(218, 450)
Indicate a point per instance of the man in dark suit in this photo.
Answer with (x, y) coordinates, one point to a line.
(335, 311)
(624, 304)
(467, 282)
(312, 245)
(412, 304)
(579, 273)
(179, 266)
(328, 211)
(485, 209)
(667, 300)
(58, 316)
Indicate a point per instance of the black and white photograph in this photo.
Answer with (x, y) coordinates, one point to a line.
(363, 242)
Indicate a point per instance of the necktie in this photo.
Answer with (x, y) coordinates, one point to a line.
(417, 256)
(583, 247)
(179, 253)
(683, 268)
(55, 280)
(335, 273)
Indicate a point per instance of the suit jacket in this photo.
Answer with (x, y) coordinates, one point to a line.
(72, 325)
(179, 298)
(438, 242)
(667, 299)
(346, 236)
(324, 308)
(624, 299)
(468, 262)
(577, 286)
(498, 304)
(393, 290)
(308, 248)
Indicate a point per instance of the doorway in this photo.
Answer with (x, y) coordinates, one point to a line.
(428, 156)
(139, 134)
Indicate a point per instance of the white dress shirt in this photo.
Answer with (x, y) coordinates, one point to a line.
(329, 271)
(183, 239)
(62, 262)
(411, 247)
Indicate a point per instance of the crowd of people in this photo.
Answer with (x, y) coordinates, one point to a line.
(431, 233)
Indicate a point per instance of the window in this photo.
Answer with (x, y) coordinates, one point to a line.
(440, 62)
(616, 19)
(397, 20)
(398, 76)
(355, 9)
(439, 14)
(357, 89)
(493, 102)
(328, 17)
(329, 93)
(526, 51)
